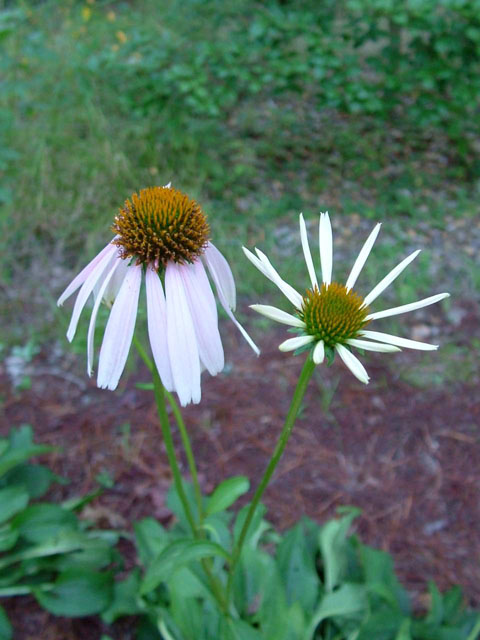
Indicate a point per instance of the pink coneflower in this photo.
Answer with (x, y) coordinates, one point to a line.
(330, 317)
(163, 234)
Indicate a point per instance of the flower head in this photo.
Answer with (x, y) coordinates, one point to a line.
(331, 317)
(163, 235)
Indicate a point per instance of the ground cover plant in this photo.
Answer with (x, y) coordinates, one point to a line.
(256, 111)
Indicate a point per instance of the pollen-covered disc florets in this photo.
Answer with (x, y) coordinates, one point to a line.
(161, 224)
(333, 314)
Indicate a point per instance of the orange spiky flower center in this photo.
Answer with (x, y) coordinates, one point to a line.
(333, 314)
(161, 224)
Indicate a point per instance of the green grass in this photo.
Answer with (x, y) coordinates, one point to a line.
(99, 100)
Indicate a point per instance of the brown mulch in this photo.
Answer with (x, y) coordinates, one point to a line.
(407, 455)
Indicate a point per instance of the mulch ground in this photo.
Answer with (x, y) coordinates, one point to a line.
(407, 456)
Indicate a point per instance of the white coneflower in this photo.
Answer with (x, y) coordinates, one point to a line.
(331, 317)
(161, 233)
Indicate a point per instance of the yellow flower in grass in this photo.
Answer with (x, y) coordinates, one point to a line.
(331, 317)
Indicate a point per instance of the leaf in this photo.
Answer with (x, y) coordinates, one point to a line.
(257, 526)
(346, 600)
(8, 537)
(404, 631)
(435, 614)
(6, 631)
(333, 546)
(227, 493)
(175, 504)
(380, 578)
(240, 630)
(178, 554)
(39, 522)
(64, 542)
(77, 593)
(20, 449)
(297, 569)
(12, 500)
(36, 478)
(151, 539)
(125, 598)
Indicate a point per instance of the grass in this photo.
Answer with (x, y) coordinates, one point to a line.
(86, 121)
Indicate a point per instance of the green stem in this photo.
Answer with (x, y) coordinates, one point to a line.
(181, 427)
(188, 451)
(160, 393)
(167, 437)
(297, 398)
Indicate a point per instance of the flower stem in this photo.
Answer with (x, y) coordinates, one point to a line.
(188, 451)
(167, 437)
(181, 427)
(297, 398)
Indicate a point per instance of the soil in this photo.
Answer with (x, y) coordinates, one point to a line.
(407, 455)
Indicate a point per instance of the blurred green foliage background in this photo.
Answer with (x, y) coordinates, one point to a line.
(258, 109)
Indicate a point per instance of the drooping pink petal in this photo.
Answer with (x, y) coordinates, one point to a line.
(225, 293)
(221, 274)
(93, 278)
(182, 342)
(157, 327)
(85, 272)
(203, 310)
(93, 318)
(119, 331)
(111, 291)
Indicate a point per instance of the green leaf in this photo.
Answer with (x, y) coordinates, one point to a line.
(36, 478)
(227, 493)
(347, 600)
(64, 542)
(12, 500)
(8, 536)
(380, 578)
(435, 614)
(334, 548)
(175, 504)
(178, 554)
(240, 630)
(77, 593)
(404, 631)
(6, 631)
(125, 598)
(297, 569)
(257, 527)
(39, 522)
(151, 539)
(20, 449)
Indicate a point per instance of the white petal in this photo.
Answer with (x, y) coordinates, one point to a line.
(203, 310)
(319, 352)
(353, 363)
(394, 273)
(119, 331)
(168, 185)
(157, 327)
(115, 283)
(182, 343)
(295, 343)
(94, 276)
(362, 257)
(287, 290)
(221, 274)
(278, 315)
(405, 308)
(400, 342)
(223, 297)
(85, 272)
(307, 252)
(93, 318)
(264, 265)
(372, 346)
(326, 247)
